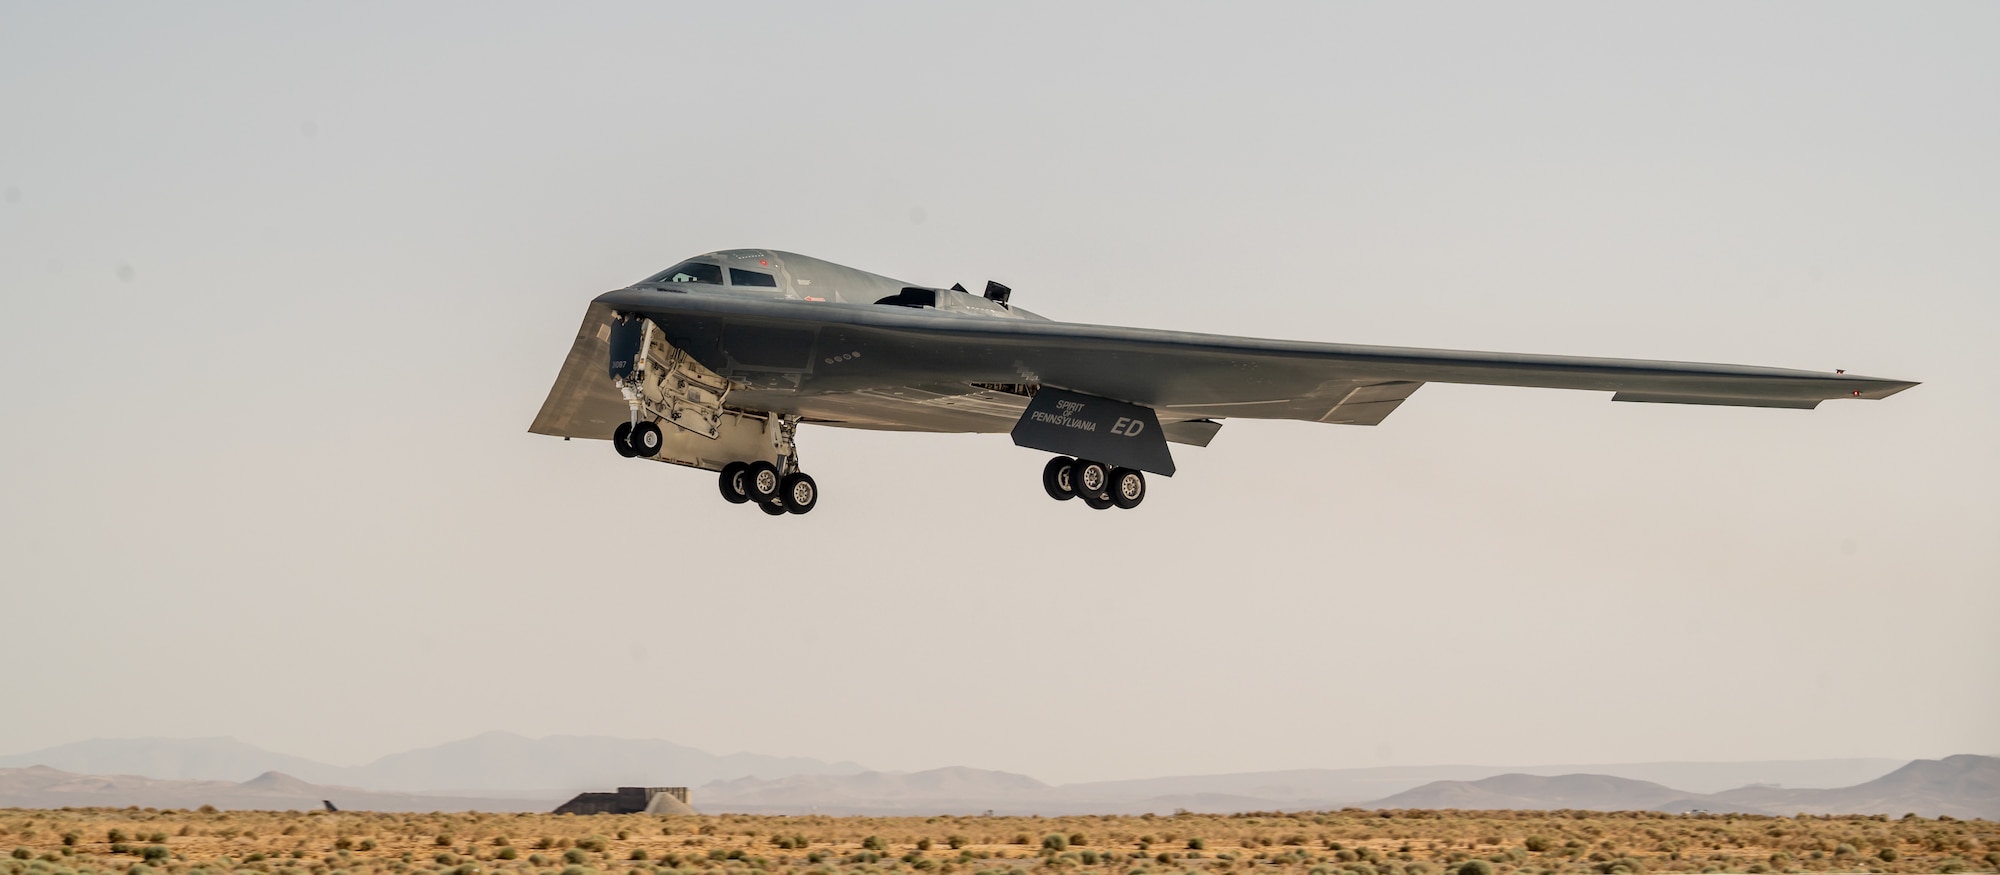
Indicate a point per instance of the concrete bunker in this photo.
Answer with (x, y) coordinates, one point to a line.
(630, 800)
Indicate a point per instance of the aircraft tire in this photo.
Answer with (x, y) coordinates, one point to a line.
(761, 481)
(1055, 478)
(1090, 479)
(731, 482)
(1099, 501)
(621, 440)
(1128, 487)
(771, 507)
(798, 493)
(646, 440)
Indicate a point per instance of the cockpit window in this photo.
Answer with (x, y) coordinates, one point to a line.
(689, 272)
(738, 277)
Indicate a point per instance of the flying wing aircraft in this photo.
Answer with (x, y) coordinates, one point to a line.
(715, 362)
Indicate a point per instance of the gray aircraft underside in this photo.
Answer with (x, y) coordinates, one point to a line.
(713, 364)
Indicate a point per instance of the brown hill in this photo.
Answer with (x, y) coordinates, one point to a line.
(279, 783)
(1963, 786)
(1587, 792)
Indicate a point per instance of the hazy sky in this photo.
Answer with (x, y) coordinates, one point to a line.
(282, 285)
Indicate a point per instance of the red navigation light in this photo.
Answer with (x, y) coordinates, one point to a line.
(763, 262)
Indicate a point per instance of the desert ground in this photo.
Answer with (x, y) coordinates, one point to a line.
(1349, 842)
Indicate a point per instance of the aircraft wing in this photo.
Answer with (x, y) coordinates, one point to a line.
(583, 402)
(827, 352)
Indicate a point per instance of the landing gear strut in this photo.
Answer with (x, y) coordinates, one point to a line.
(1099, 485)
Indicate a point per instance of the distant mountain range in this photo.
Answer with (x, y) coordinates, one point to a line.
(43, 787)
(1324, 788)
(505, 772)
(1964, 786)
(1961, 786)
(496, 763)
(171, 759)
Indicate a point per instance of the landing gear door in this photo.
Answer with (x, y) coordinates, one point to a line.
(1099, 429)
(628, 341)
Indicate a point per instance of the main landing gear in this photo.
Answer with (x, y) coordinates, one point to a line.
(775, 494)
(1099, 486)
(776, 488)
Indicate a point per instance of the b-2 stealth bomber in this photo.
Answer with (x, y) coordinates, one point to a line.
(714, 363)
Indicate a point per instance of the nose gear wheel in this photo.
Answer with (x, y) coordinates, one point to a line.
(646, 440)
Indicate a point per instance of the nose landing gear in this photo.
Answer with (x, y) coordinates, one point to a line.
(640, 441)
(1099, 485)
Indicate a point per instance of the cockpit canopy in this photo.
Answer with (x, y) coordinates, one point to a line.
(694, 271)
(688, 272)
(769, 273)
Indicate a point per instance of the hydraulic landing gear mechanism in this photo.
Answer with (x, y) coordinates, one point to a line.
(1098, 485)
(662, 385)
